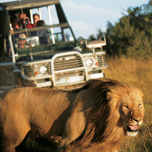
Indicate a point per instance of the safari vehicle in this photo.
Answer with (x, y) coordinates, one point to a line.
(51, 56)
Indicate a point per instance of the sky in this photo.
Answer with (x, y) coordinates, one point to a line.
(87, 16)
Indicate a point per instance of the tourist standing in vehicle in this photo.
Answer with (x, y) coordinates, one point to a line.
(36, 17)
(24, 21)
(14, 22)
(15, 25)
(40, 23)
(43, 39)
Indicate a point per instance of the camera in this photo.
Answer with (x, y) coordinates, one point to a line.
(26, 21)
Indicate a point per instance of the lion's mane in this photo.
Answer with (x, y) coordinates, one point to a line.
(104, 130)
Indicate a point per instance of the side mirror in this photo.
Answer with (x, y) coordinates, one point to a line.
(96, 43)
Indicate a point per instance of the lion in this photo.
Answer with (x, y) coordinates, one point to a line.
(96, 117)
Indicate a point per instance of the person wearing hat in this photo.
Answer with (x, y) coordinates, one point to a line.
(22, 41)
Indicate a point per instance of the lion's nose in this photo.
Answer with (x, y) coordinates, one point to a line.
(137, 120)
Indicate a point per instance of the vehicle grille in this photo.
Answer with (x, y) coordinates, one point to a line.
(61, 63)
(67, 62)
(101, 60)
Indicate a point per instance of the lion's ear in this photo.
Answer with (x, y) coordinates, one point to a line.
(113, 99)
(113, 95)
(141, 93)
(109, 95)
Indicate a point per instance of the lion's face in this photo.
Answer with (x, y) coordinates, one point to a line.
(132, 112)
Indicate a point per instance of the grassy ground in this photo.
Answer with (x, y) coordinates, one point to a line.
(139, 74)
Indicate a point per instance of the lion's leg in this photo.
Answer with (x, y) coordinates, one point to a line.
(9, 143)
(6, 146)
(74, 127)
(12, 136)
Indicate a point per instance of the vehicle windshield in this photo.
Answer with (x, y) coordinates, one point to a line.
(43, 39)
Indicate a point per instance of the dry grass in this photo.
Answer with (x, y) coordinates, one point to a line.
(139, 74)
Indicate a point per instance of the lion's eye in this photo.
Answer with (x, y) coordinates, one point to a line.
(139, 105)
(125, 106)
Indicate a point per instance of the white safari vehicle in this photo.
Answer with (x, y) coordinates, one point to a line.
(44, 55)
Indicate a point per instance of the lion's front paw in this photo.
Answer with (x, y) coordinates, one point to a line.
(62, 144)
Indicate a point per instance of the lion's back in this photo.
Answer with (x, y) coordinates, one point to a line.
(13, 98)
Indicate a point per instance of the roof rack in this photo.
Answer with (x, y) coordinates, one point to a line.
(26, 4)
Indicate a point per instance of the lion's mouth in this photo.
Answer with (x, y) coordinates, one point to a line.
(132, 128)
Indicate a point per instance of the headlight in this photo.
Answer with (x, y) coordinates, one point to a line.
(89, 62)
(42, 69)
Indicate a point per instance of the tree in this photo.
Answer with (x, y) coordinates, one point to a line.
(91, 38)
(99, 34)
(132, 35)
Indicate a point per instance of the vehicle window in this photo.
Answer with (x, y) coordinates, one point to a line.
(68, 34)
(39, 36)
(42, 37)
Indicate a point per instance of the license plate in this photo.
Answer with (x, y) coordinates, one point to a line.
(69, 79)
(44, 84)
